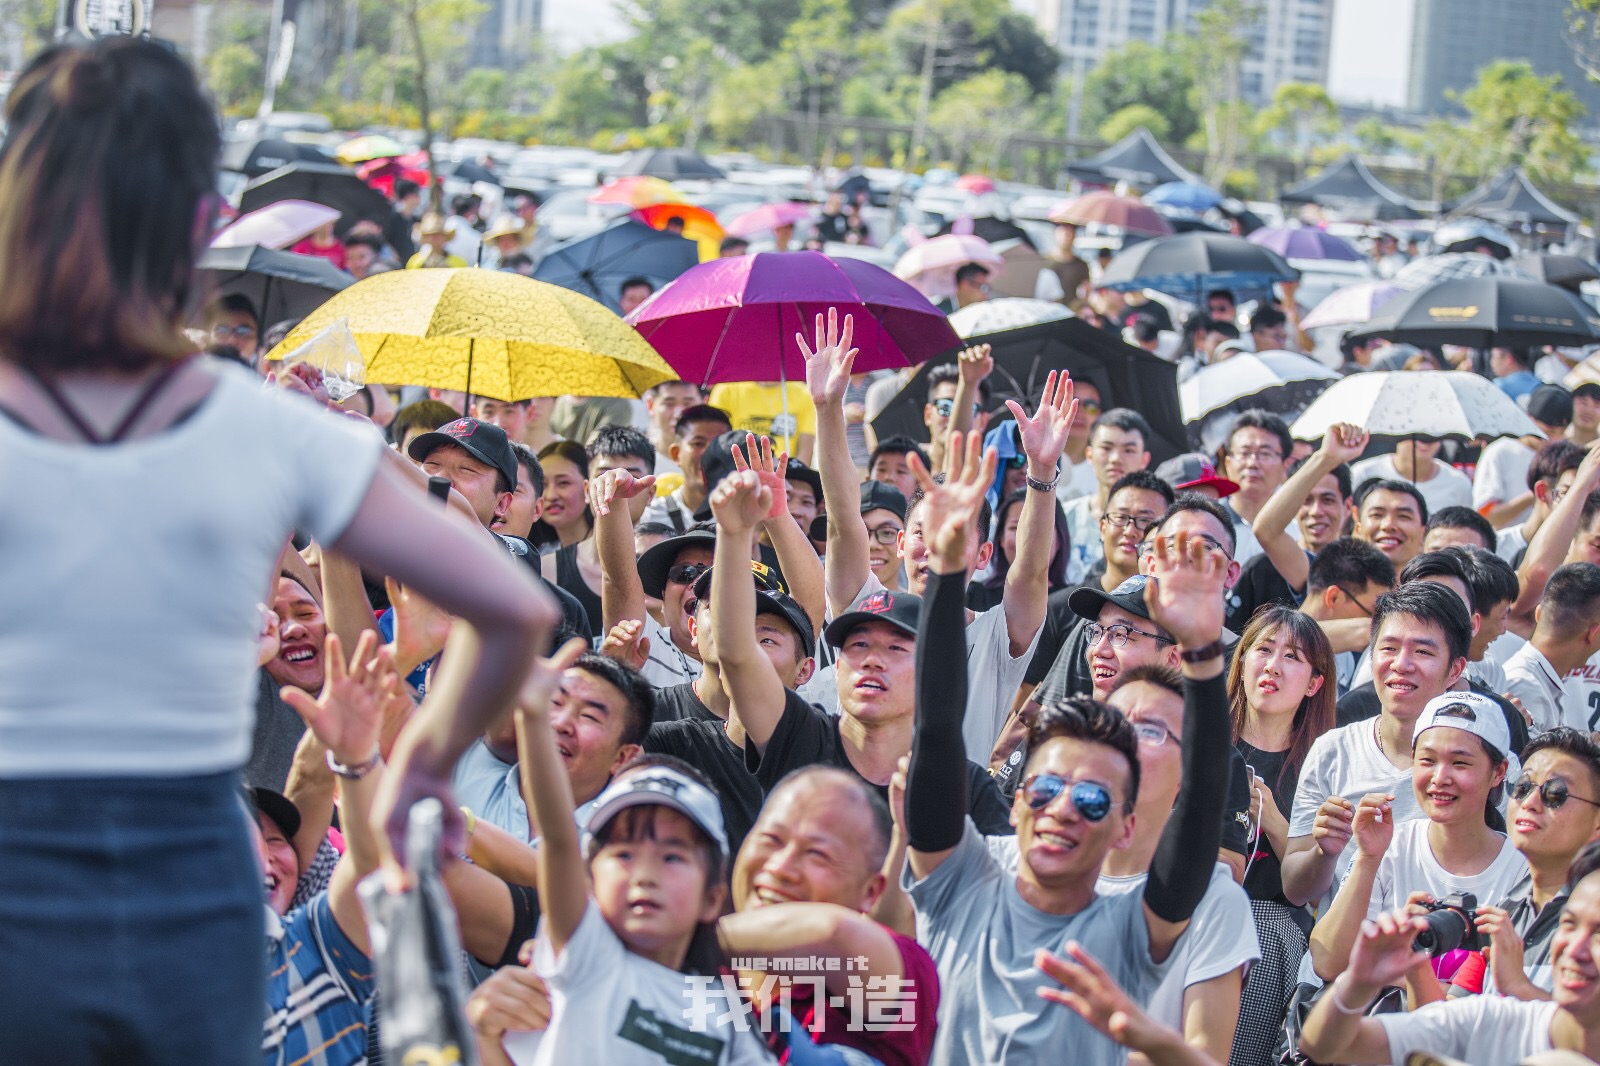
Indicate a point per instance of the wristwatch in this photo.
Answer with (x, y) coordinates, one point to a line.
(1043, 486)
(356, 772)
(1204, 653)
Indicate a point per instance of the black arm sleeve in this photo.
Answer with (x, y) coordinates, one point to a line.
(1181, 868)
(936, 784)
(524, 924)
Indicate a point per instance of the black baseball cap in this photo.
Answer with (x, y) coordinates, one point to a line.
(484, 441)
(900, 609)
(279, 809)
(882, 496)
(1550, 404)
(659, 558)
(798, 471)
(771, 598)
(1087, 601)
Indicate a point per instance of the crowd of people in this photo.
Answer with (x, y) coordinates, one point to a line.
(760, 739)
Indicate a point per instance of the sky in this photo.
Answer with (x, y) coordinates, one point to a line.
(1370, 52)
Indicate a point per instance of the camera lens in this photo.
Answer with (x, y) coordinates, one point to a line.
(1446, 929)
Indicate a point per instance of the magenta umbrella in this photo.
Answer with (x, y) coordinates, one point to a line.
(1304, 242)
(735, 319)
(275, 226)
(767, 218)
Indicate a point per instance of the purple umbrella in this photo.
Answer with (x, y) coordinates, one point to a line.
(1304, 242)
(735, 319)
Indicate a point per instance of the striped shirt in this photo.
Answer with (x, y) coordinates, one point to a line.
(318, 985)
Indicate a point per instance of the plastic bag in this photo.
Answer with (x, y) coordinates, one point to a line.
(335, 353)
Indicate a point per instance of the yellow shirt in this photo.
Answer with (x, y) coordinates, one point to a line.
(421, 260)
(759, 407)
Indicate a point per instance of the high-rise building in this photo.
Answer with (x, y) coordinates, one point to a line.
(1288, 40)
(1452, 39)
(506, 32)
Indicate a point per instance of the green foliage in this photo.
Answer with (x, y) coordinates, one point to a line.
(1131, 118)
(1515, 116)
(972, 37)
(1299, 112)
(236, 74)
(1143, 74)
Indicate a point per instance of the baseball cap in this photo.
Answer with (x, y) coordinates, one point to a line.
(880, 495)
(484, 441)
(771, 598)
(659, 786)
(1193, 470)
(798, 471)
(900, 609)
(279, 808)
(716, 462)
(1550, 404)
(1087, 601)
(659, 558)
(1475, 713)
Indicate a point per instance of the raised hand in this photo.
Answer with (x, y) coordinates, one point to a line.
(950, 510)
(1373, 825)
(348, 717)
(828, 368)
(1331, 830)
(975, 363)
(741, 502)
(1382, 954)
(1044, 436)
(769, 468)
(1185, 591)
(269, 641)
(544, 677)
(627, 644)
(514, 998)
(616, 484)
(1344, 443)
(420, 628)
(1094, 995)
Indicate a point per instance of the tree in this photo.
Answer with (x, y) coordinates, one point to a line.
(1143, 74)
(982, 112)
(1299, 110)
(235, 74)
(1583, 34)
(970, 37)
(1374, 137)
(1517, 117)
(1131, 118)
(1216, 51)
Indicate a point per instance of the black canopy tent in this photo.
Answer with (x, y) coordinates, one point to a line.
(1349, 187)
(1136, 159)
(1510, 198)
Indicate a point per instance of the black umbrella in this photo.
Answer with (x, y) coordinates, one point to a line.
(1555, 268)
(1126, 376)
(255, 158)
(1189, 264)
(853, 186)
(673, 164)
(598, 264)
(466, 170)
(282, 285)
(994, 230)
(1484, 312)
(320, 183)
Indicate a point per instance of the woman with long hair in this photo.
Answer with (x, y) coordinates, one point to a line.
(148, 493)
(989, 589)
(1281, 694)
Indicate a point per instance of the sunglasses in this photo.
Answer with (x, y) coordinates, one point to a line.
(1553, 793)
(1091, 800)
(686, 573)
(946, 406)
(241, 332)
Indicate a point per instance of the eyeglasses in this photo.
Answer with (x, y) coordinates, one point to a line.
(1119, 633)
(885, 535)
(222, 332)
(1355, 600)
(1553, 793)
(1089, 799)
(946, 406)
(1149, 546)
(1119, 520)
(1154, 734)
(687, 573)
(1259, 455)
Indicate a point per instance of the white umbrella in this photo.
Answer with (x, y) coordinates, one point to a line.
(1277, 381)
(1407, 404)
(1011, 312)
(932, 264)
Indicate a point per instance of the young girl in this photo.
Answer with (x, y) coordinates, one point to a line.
(1459, 762)
(1281, 694)
(988, 590)
(617, 957)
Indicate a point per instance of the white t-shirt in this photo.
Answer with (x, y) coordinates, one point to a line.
(668, 664)
(1410, 866)
(1478, 1030)
(1531, 679)
(1448, 487)
(1083, 531)
(1077, 479)
(608, 1005)
(1581, 693)
(1509, 541)
(1502, 474)
(131, 574)
(1347, 762)
(1221, 938)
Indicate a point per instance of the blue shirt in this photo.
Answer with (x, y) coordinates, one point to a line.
(318, 985)
(1519, 384)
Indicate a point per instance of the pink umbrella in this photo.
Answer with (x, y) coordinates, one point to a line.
(275, 226)
(1351, 305)
(736, 319)
(1107, 208)
(932, 264)
(767, 218)
(975, 183)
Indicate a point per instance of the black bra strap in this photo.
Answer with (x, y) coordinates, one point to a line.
(141, 403)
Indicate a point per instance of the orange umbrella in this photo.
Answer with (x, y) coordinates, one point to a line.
(640, 191)
(1108, 208)
(699, 225)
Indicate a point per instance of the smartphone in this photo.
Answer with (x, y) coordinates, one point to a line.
(439, 488)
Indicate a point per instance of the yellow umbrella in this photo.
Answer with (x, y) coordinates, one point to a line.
(371, 146)
(490, 333)
(637, 191)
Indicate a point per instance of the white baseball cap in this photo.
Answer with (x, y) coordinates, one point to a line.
(661, 786)
(1475, 713)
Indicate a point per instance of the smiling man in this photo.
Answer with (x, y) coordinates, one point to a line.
(1118, 445)
(476, 456)
(1393, 517)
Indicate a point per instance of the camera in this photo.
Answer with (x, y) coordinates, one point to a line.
(1452, 923)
